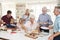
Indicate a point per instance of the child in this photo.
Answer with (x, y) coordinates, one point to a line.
(20, 25)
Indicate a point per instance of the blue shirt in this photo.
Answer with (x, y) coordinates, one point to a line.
(57, 24)
(45, 18)
(26, 18)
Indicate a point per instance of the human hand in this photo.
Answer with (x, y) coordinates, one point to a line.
(50, 27)
(40, 22)
(45, 23)
(51, 37)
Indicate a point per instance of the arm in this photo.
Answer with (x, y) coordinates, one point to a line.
(24, 28)
(57, 33)
(3, 20)
(38, 27)
(38, 19)
(53, 35)
(58, 25)
(50, 21)
(39, 22)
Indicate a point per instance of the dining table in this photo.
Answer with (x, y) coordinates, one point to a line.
(21, 36)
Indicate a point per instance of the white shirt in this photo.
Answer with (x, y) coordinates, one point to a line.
(19, 27)
(30, 26)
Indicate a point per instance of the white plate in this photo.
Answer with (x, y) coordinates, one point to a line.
(44, 28)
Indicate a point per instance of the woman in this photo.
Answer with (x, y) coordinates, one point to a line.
(26, 15)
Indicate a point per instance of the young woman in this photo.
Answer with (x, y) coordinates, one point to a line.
(26, 15)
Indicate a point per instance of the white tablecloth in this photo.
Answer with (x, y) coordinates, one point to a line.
(19, 36)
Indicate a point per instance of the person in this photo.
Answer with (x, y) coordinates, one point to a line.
(1, 26)
(32, 28)
(26, 15)
(56, 28)
(45, 20)
(1, 22)
(7, 18)
(20, 25)
(31, 25)
(8, 21)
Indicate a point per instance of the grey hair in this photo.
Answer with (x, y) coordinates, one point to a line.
(45, 8)
(32, 16)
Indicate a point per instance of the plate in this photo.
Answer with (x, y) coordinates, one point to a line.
(44, 28)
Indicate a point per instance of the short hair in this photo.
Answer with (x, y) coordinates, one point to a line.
(44, 8)
(58, 7)
(9, 12)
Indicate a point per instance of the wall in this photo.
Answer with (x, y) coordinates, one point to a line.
(30, 4)
(9, 6)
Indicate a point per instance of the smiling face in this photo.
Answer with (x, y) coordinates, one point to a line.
(27, 12)
(44, 10)
(56, 11)
(32, 19)
(21, 21)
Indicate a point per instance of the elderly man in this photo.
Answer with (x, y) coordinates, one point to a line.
(44, 20)
(56, 35)
(32, 27)
(31, 24)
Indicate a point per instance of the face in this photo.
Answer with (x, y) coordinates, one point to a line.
(32, 19)
(9, 15)
(21, 21)
(56, 12)
(44, 11)
(27, 11)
